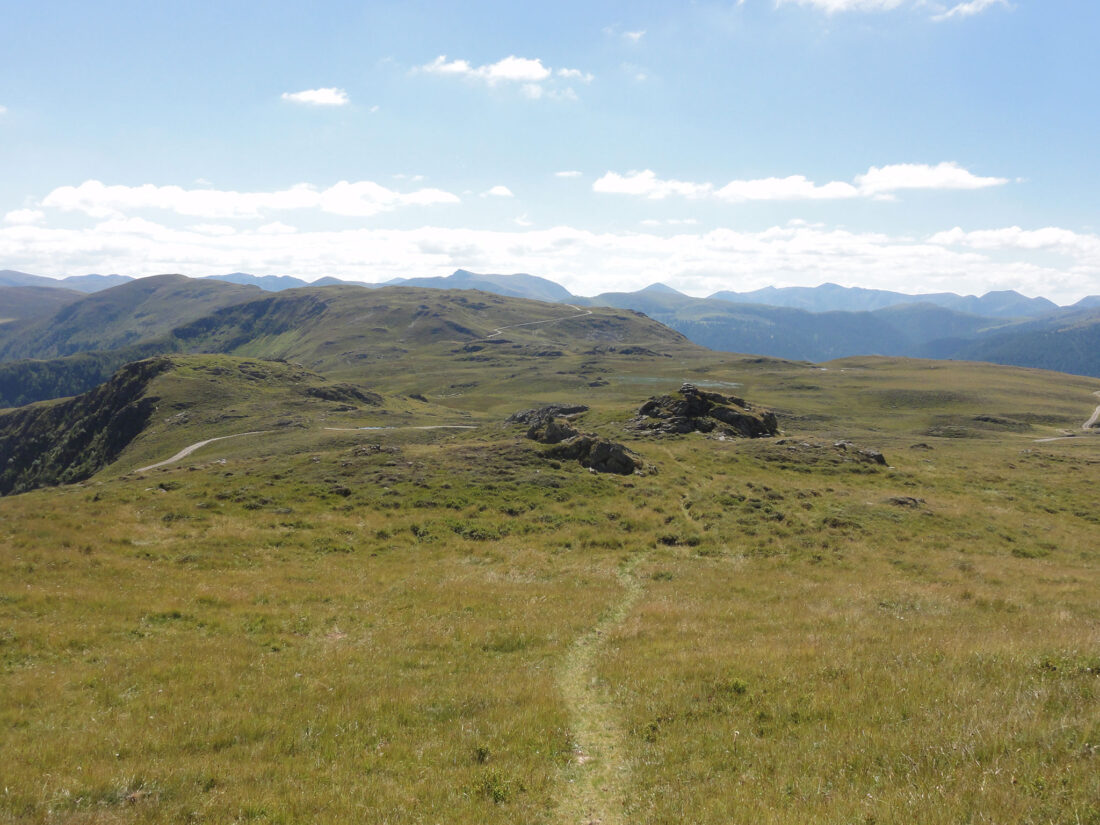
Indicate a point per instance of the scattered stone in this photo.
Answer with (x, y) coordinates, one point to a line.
(920, 446)
(905, 501)
(543, 414)
(870, 456)
(693, 410)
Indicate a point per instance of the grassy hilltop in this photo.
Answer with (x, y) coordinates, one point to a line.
(435, 620)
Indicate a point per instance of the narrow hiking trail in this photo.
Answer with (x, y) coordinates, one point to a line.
(407, 427)
(580, 314)
(598, 775)
(1088, 425)
(186, 451)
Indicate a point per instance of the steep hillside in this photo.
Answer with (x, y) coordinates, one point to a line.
(139, 310)
(70, 440)
(151, 408)
(30, 380)
(1068, 341)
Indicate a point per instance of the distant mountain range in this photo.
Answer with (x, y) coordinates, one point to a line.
(803, 323)
(81, 283)
(827, 297)
(831, 297)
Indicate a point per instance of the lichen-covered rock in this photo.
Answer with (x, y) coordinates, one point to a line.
(599, 454)
(542, 414)
(551, 431)
(861, 453)
(693, 410)
(550, 425)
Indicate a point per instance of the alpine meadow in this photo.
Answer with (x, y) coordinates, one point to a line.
(763, 491)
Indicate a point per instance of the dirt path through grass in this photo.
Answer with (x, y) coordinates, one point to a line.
(580, 314)
(186, 451)
(598, 775)
(408, 427)
(1088, 425)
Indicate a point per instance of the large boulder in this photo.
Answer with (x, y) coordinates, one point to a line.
(693, 410)
(598, 454)
(551, 425)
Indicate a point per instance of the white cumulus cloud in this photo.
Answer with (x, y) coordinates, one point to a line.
(833, 6)
(318, 97)
(969, 9)
(359, 199)
(886, 179)
(576, 74)
(963, 9)
(533, 78)
(276, 228)
(793, 187)
(498, 191)
(646, 184)
(567, 173)
(1051, 238)
(876, 182)
(584, 261)
(511, 68)
(24, 216)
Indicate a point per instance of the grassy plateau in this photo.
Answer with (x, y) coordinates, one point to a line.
(432, 621)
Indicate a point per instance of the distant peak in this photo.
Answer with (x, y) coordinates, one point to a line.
(662, 288)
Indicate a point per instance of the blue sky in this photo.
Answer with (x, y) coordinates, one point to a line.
(904, 144)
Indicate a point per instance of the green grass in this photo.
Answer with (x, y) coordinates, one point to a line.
(333, 626)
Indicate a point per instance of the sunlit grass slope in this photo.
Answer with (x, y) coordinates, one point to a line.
(335, 625)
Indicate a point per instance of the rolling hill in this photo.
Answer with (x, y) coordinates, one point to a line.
(139, 310)
(22, 302)
(340, 330)
(996, 326)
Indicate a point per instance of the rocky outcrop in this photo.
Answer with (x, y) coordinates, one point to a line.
(598, 454)
(551, 425)
(541, 414)
(693, 410)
